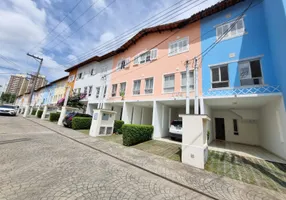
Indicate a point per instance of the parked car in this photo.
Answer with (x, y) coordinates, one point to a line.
(67, 121)
(8, 110)
(175, 129)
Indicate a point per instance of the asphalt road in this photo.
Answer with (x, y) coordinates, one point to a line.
(37, 163)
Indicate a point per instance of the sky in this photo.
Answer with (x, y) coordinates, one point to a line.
(66, 32)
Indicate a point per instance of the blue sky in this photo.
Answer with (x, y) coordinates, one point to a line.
(27, 26)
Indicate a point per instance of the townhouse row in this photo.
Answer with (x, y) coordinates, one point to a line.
(241, 84)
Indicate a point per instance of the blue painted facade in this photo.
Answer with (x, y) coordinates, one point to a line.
(254, 43)
(276, 27)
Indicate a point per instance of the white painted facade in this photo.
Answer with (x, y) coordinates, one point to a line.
(88, 80)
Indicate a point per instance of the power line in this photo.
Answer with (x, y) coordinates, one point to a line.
(74, 22)
(189, 42)
(123, 36)
(10, 61)
(56, 25)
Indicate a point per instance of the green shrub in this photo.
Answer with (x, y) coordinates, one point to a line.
(117, 126)
(134, 134)
(54, 116)
(34, 112)
(39, 113)
(81, 123)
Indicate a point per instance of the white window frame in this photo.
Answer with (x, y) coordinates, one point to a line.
(85, 90)
(114, 90)
(141, 58)
(90, 90)
(219, 74)
(136, 92)
(104, 91)
(97, 90)
(177, 43)
(120, 63)
(249, 68)
(226, 27)
(149, 90)
(183, 87)
(171, 74)
(124, 87)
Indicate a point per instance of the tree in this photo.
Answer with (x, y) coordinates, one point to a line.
(74, 101)
(8, 98)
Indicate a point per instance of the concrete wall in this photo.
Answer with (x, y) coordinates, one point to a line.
(137, 115)
(147, 116)
(248, 130)
(273, 127)
(276, 20)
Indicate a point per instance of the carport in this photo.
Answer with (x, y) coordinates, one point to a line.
(249, 126)
(165, 112)
(139, 112)
(115, 106)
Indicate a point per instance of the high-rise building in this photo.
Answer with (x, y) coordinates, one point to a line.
(17, 84)
(41, 81)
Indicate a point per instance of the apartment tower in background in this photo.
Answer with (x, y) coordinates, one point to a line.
(17, 84)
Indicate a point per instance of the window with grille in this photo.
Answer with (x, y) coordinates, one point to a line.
(250, 73)
(136, 87)
(220, 77)
(114, 90)
(231, 29)
(179, 46)
(169, 83)
(149, 85)
(122, 87)
(145, 57)
(184, 81)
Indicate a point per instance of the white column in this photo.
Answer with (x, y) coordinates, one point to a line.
(44, 112)
(62, 116)
(202, 106)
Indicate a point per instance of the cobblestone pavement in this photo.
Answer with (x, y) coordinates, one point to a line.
(38, 163)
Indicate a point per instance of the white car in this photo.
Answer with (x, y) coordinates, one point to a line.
(8, 110)
(175, 129)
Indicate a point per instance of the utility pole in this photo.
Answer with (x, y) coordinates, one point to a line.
(196, 87)
(34, 84)
(187, 88)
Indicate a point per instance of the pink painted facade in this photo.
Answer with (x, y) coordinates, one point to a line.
(164, 64)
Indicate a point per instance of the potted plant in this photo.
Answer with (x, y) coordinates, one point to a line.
(122, 94)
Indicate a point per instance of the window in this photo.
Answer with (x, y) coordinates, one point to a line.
(184, 81)
(235, 127)
(179, 46)
(105, 88)
(97, 92)
(85, 90)
(105, 117)
(90, 91)
(149, 85)
(122, 87)
(114, 90)
(145, 57)
(237, 30)
(169, 83)
(123, 63)
(80, 76)
(92, 72)
(250, 73)
(136, 87)
(220, 77)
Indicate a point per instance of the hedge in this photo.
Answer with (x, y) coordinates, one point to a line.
(54, 116)
(34, 111)
(134, 134)
(117, 126)
(39, 113)
(81, 122)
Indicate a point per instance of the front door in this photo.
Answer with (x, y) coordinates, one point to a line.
(219, 128)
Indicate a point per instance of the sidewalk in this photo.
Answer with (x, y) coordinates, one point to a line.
(195, 179)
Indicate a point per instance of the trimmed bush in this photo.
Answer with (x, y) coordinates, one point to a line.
(39, 113)
(54, 117)
(81, 123)
(117, 126)
(134, 134)
(34, 111)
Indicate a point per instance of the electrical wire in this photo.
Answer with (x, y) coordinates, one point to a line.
(10, 61)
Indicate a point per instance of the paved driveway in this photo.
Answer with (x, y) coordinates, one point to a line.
(37, 163)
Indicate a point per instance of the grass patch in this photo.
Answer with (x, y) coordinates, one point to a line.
(85, 131)
(249, 170)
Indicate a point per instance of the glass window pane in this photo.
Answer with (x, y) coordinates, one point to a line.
(220, 85)
(240, 26)
(215, 74)
(255, 68)
(219, 31)
(224, 73)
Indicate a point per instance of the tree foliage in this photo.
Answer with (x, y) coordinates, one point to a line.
(8, 98)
